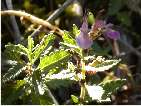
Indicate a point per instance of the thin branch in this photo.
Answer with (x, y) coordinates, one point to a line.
(17, 36)
(59, 11)
(33, 19)
(51, 95)
(116, 48)
(130, 47)
(53, 16)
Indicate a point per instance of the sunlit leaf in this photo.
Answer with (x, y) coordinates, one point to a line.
(30, 43)
(64, 74)
(111, 86)
(74, 98)
(30, 47)
(75, 30)
(106, 65)
(68, 39)
(14, 71)
(45, 43)
(69, 45)
(14, 52)
(53, 60)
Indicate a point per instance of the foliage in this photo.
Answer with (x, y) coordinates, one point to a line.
(35, 83)
(46, 69)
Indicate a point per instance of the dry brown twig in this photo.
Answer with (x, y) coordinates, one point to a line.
(33, 19)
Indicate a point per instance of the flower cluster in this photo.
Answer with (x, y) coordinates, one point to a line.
(85, 41)
(107, 29)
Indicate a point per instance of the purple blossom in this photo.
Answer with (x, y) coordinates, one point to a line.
(107, 29)
(83, 39)
(112, 34)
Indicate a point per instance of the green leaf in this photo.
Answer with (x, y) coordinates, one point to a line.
(30, 47)
(74, 98)
(53, 60)
(68, 39)
(106, 65)
(64, 74)
(45, 43)
(14, 71)
(111, 86)
(40, 91)
(75, 30)
(30, 44)
(14, 52)
(35, 93)
(69, 45)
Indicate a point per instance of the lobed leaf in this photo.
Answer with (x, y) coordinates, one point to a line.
(64, 74)
(111, 86)
(46, 41)
(13, 72)
(30, 47)
(14, 52)
(75, 30)
(74, 98)
(68, 39)
(30, 44)
(53, 60)
(106, 65)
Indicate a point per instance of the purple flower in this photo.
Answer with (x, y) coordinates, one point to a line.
(83, 39)
(107, 29)
(112, 34)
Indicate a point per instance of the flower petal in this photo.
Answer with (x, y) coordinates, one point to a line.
(84, 41)
(112, 34)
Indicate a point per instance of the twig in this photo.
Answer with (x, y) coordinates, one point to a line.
(51, 95)
(115, 48)
(17, 35)
(130, 48)
(53, 16)
(33, 19)
(58, 11)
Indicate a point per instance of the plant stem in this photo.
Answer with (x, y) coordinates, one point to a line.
(83, 82)
(82, 94)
